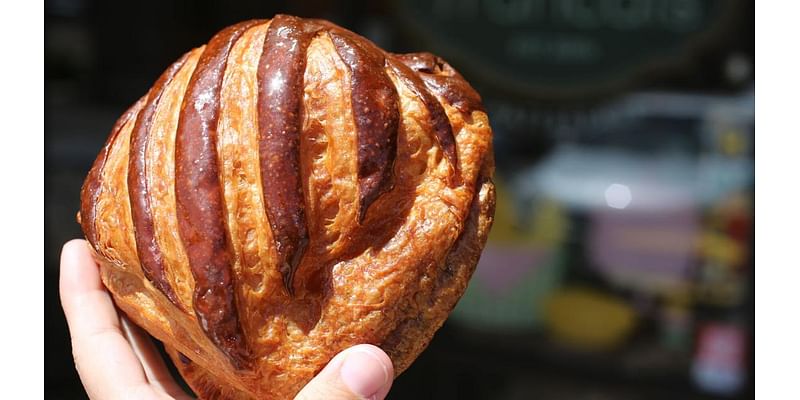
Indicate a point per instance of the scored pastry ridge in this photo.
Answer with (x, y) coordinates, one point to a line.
(448, 106)
(199, 198)
(147, 248)
(280, 89)
(375, 108)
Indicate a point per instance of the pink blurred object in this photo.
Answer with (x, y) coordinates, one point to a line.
(501, 267)
(643, 250)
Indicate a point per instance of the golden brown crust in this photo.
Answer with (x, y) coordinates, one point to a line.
(380, 237)
(413, 334)
(204, 385)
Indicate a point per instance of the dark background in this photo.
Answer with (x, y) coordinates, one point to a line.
(572, 299)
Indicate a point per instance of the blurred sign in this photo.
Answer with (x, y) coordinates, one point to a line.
(568, 47)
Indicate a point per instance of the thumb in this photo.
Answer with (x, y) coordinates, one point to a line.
(360, 372)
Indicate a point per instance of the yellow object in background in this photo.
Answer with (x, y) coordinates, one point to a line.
(721, 249)
(587, 319)
(550, 223)
(540, 224)
(508, 227)
(732, 142)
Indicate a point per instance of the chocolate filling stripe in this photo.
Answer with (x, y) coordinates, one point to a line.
(199, 197)
(150, 257)
(441, 79)
(280, 99)
(375, 104)
(443, 131)
(91, 187)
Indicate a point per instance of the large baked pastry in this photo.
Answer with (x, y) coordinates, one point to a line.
(286, 191)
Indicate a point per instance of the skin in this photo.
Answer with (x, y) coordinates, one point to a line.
(117, 360)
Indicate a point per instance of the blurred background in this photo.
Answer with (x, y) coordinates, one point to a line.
(620, 265)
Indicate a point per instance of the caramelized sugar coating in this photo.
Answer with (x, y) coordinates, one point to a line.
(287, 191)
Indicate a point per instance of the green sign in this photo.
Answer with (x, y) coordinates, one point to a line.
(563, 48)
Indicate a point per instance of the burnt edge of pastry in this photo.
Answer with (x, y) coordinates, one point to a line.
(147, 248)
(376, 111)
(441, 79)
(280, 122)
(91, 186)
(443, 131)
(199, 198)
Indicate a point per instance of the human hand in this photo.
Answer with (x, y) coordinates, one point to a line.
(117, 360)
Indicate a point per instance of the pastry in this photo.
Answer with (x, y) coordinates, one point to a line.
(284, 192)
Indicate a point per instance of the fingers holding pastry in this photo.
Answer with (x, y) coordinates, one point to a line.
(105, 361)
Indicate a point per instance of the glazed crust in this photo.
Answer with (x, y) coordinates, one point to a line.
(285, 192)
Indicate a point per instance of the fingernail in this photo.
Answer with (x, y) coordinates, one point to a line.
(364, 373)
